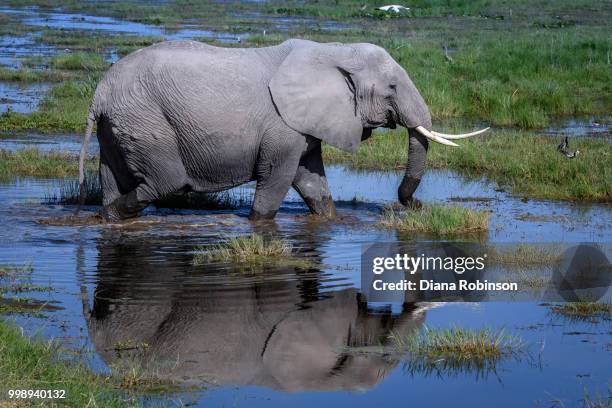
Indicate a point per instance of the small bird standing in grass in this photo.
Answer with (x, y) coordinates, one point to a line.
(393, 7)
(562, 148)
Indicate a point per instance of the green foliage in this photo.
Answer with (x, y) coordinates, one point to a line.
(30, 364)
(80, 61)
(436, 219)
(35, 163)
(457, 350)
(251, 252)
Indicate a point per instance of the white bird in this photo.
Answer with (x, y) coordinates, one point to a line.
(393, 7)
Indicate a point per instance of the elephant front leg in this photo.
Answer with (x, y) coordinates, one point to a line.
(311, 184)
(273, 182)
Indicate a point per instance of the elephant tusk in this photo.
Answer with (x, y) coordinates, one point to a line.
(435, 138)
(459, 136)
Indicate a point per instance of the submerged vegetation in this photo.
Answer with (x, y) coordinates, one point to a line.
(436, 219)
(583, 310)
(455, 350)
(252, 251)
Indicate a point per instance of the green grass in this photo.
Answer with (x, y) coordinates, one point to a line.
(63, 108)
(583, 310)
(81, 61)
(69, 191)
(456, 350)
(35, 163)
(436, 220)
(31, 75)
(525, 163)
(252, 251)
(30, 364)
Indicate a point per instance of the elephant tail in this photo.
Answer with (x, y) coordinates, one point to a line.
(91, 118)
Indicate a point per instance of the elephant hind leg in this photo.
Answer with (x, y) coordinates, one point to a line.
(127, 205)
(311, 184)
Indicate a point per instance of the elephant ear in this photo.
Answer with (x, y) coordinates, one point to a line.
(315, 95)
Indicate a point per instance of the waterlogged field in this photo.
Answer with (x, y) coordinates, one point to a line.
(192, 304)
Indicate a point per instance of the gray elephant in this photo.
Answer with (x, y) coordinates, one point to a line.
(283, 332)
(184, 116)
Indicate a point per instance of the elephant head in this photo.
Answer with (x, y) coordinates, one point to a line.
(339, 93)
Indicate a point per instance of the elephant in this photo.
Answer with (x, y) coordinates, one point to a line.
(286, 332)
(181, 116)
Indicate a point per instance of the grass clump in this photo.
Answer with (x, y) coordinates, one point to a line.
(583, 310)
(79, 61)
(69, 191)
(523, 254)
(31, 75)
(253, 250)
(456, 349)
(33, 162)
(14, 279)
(12, 271)
(436, 219)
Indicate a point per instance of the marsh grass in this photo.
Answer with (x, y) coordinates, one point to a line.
(523, 255)
(252, 252)
(33, 162)
(457, 350)
(68, 193)
(525, 163)
(583, 310)
(224, 200)
(64, 108)
(13, 271)
(15, 280)
(30, 364)
(31, 75)
(436, 220)
(79, 61)
(534, 279)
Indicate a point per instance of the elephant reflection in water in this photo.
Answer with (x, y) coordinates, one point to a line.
(284, 334)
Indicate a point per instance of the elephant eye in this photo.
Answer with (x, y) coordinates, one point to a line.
(393, 86)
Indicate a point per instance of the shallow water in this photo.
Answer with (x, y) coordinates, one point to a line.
(60, 20)
(13, 49)
(21, 98)
(279, 337)
(596, 127)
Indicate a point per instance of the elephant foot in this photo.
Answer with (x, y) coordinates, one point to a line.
(124, 207)
(324, 208)
(259, 216)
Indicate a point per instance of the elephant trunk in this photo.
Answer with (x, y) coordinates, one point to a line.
(417, 157)
(412, 113)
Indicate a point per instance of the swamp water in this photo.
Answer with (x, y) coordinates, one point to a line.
(282, 335)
